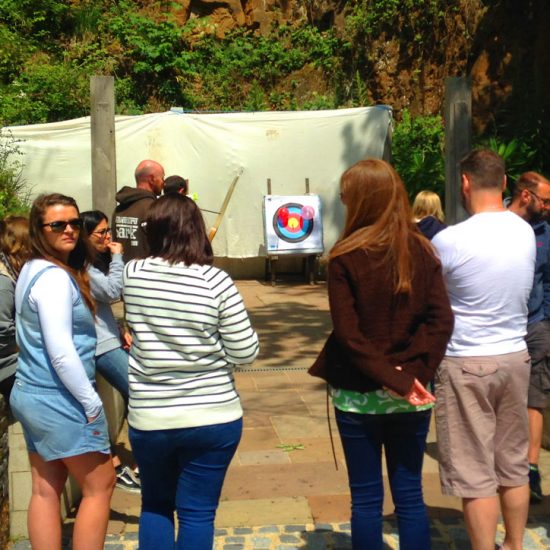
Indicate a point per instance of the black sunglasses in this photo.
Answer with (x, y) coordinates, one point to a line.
(60, 226)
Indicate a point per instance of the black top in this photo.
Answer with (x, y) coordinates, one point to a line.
(430, 226)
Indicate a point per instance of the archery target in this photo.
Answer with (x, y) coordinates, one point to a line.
(293, 224)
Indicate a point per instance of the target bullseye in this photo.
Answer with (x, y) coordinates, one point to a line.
(293, 222)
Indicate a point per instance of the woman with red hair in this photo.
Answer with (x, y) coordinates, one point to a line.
(392, 321)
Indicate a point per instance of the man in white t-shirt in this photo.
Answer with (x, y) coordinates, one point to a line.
(481, 386)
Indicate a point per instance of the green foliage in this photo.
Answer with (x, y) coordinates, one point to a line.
(45, 92)
(212, 71)
(417, 152)
(318, 102)
(14, 197)
(86, 17)
(151, 45)
(518, 155)
(413, 29)
(12, 53)
(369, 18)
(50, 48)
(522, 140)
(256, 100)
(40, 19)
(45, 67)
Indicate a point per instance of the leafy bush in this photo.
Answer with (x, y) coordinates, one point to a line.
(522, 142)
(369, 18)
(517, 155)
(14, 196)
(213, 73)
(417, 151)
(12, 53)
(45, 91)
(40, 18)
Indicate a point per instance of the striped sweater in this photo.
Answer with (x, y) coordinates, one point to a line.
(189, 326)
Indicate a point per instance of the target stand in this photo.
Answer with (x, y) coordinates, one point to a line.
(293, 227)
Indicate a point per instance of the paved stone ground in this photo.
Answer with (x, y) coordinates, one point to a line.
(447, 534)
(282, 490)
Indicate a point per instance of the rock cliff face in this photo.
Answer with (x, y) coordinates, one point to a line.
(500, 44)
(225, 15)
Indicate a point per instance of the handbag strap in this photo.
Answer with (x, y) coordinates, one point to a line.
(330, 429)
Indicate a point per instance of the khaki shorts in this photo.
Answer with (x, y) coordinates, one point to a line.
(481, 421)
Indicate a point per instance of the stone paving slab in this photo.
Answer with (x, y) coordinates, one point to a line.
(258, 511)
(447, 534)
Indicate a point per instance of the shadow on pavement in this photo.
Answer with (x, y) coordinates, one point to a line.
(291, 334)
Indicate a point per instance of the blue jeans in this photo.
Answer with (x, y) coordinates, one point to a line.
(403, 436)
(113, 366)
(183, 470)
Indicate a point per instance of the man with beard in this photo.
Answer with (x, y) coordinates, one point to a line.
(481, 385)
(531, 201)
(134, 202)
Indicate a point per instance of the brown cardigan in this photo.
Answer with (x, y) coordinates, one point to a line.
(376, 330)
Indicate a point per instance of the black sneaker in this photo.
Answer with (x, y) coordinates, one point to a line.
(534, 484)
(126, 480)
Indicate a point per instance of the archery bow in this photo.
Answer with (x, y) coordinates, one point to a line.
(214, 228)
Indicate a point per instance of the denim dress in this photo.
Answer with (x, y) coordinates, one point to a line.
(54, 422)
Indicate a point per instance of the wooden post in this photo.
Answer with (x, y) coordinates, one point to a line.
(269, 186)
(458, 142)
(307, 186)
(103, 143)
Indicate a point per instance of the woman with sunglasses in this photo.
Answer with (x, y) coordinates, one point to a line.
(54, 396)
(111, 359)
(392, 320)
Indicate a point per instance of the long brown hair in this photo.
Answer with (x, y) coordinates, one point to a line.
(379, 218)
(79, 257)
(15, 243)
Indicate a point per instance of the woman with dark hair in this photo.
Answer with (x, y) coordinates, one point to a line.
(176, 184)
(392, 320)
(111, 359)
(189, 327)
(14, 252)
(54, 396)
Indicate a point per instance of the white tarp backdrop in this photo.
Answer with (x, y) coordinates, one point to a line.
(209, 149)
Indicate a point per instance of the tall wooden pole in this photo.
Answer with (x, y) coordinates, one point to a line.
(103, 143)
(458, 142)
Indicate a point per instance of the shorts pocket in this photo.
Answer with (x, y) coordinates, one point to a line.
(480, 368)
(96, 431)
(97, 419)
